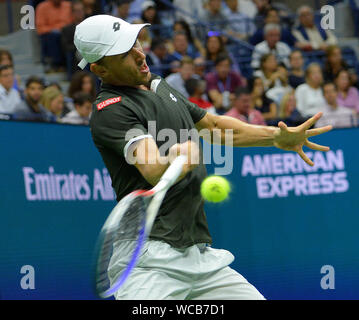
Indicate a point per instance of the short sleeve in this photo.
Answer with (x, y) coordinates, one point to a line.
(116, 128)
(211, 82)
(196, 112)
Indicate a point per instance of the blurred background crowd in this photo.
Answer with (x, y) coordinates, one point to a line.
(260, 61)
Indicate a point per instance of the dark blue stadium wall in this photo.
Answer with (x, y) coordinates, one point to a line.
(283, 222)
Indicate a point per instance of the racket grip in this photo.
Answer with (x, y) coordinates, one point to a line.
(174, 170)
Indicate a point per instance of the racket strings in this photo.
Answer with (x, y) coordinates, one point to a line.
(132, 221)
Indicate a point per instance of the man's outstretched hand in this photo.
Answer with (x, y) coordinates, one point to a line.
(294, 138)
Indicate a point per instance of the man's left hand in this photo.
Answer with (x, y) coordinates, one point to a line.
(294, 138)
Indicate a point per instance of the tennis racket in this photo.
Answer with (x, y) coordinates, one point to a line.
(129, 224)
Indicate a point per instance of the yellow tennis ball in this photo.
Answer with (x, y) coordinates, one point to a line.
(215, 188)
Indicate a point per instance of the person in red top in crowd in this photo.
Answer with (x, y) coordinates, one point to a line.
(196, 89)
(243, 110)
(222, 83)
(51, 17)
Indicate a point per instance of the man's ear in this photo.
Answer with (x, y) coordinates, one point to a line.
(98, 70)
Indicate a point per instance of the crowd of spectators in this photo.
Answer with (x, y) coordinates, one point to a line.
(194, 53)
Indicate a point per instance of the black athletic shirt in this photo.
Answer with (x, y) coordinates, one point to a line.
(181, 220)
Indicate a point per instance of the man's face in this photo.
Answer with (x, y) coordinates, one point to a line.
(123, 10)
(187, 71)
(272, 17)
(330, 94)
(161, 51)
(7, 78)
(128, 69)
(306, 18)
(223, 68)
(272, 37)
(215, 5)
(243, 103)
(180, 43)
(84, 110)
(34, 92)
(296, 60)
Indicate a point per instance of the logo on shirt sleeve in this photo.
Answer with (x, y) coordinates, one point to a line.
(107, 102)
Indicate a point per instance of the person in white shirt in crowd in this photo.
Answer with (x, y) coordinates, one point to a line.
(81, 113)
(240, 25)
(309, 34)
(334, 114)
(268, 71)
(309, 95)
(278, 92)
(9, 97)
(186, 71)
(271, 44)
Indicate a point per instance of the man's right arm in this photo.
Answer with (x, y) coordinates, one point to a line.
(152, 165)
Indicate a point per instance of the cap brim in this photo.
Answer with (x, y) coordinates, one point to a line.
(126, 39)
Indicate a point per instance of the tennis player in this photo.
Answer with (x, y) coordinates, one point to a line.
(178, 262)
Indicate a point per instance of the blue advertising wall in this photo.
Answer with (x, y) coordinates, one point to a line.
(284, 222)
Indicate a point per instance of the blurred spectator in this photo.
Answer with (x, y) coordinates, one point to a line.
(9, 97)
(334, 62)
(268, 71)
(214, 48)
(348, 96)
(67, 37)
(271, 44)
(53, 100)
(333, 113)
(309, 34)
(51, 17)
(260, 101)
(82, 81)
(222, 83)
(243, 110)
(200, 67)
(122, 10)
(6, 59)
(30, 109)
(309, 95)
(288, 112)
(92, 7)
(240, 25)
(248, 8)
(296, 75)
(276, 93)
(181, 48)
(196, 89)
(150, 15)
(177, 80)
(272, 17)
(262, 7)
(157, 56)
(82, 111)
(189, 9)
(194, 43)
(144, 37)
(213, 17)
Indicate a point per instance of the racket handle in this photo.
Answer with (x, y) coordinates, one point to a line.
(174, 170)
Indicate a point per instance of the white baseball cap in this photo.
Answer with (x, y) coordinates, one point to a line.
(104, 35)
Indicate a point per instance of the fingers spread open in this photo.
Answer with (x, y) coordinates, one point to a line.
(317, 131)
(315, 146)
(305, 157)
(310, 122)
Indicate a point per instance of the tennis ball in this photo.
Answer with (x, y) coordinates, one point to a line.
(215, 188)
